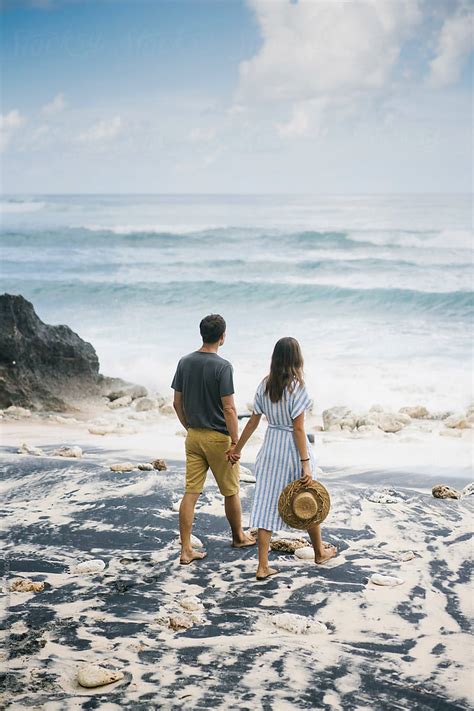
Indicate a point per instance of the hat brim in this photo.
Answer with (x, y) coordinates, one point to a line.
(285, 508)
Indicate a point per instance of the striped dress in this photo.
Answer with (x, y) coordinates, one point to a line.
(278, 461)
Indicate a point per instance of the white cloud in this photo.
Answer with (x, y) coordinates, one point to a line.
(54, 106)
(455, 43)
(102, 131)
(9, 123)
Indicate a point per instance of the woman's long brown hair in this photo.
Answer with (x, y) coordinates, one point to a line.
(286, 368)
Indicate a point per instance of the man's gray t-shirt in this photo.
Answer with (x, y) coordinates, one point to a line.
(203, 378)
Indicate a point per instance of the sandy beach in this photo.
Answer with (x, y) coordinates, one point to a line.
(312, 637)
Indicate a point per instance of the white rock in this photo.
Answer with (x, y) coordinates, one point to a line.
(17, 412)
(92, 675)
(176, 505)
(95, 565)
(468, 490)
(145, 467)
(120, 402)
(306, 553)
(122, 467)
(366, 421)
(144, 403)
(192, 603)
(297, 624)
(29, 449)
(450, 433)
(74, 451)
(416, 412)
(101, 429)
(333, 416)
(388, 580)
(390, 422)
(405, 556)
(195, 542)
(458, 421)
(246, 475)
(384, 496)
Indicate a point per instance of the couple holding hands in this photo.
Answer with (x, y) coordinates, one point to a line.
(204, 403)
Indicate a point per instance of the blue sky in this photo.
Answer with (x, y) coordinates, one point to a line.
(324, 96)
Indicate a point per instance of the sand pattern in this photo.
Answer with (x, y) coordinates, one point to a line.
(238, 646)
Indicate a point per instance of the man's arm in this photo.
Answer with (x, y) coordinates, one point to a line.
(230, 415)
(179, 409)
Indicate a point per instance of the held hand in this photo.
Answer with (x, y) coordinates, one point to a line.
(232, 456)
(306, 475)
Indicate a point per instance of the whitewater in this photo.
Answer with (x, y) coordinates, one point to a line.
(378, 289)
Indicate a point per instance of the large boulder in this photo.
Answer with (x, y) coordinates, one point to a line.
(42, 366)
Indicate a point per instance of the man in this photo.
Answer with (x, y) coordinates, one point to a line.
(204, 402)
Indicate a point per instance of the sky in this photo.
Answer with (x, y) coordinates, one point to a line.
(236, 96)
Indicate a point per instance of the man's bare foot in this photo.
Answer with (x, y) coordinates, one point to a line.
(187, 557)
(244, 541)
(329, 552)
(264, 573)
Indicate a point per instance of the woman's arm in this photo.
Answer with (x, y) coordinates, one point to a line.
(233, 455)
(302, 445)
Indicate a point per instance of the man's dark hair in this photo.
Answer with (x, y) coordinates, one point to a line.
(212, 328)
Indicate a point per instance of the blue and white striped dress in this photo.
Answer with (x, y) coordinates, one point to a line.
(278, 461)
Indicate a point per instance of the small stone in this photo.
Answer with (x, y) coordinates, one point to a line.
(75, 452)
(288, 545)
(385, 496)
(159, 464)
(297, 624)
(29, 449)
(246, 475)
(192, 603)
(122, 467)
(305, 553)
(416, 412)
(26, 585)
(468, 490)
(17, 412)
(405, 556)
(442, 491)
(93, 675)
(387, 580)
(180, 622)
(101, 429)
(390, 422)
(95, 565)
(120, 402)
(145, 467)
(144, 404)
(195, 542)
(457, 421)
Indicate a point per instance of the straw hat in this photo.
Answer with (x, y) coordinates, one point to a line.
(301, 506)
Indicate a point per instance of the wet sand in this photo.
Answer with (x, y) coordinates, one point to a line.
(404, 647)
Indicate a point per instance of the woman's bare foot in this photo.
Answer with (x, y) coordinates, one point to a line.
(187, 557)
(244, 541)
(264, 573)
(326, 554)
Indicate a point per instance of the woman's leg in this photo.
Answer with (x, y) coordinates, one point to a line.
(263, 569)
(322, 551)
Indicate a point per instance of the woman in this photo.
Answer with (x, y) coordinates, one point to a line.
(285, 454)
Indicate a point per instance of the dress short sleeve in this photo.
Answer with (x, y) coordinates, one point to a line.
(299, 401)
(258, 401)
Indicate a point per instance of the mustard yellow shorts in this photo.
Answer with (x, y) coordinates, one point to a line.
(205, 449)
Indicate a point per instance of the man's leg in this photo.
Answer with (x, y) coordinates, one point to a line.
(233, 511)
(186, 516)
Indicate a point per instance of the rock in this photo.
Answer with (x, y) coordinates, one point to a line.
(167, 409)
(416, 412)
(191, 603)
(42, 366)
(390, 422)
(404, 556)
(180, 622)
(288, 545)
(441, 491)
(366, 421)
(456, 434)
(95, 565)
(246, 475)
(26, 585)
(457, 421)
(387, 580)
(122, 467)
(132, 391)
(144, 404)
(159, 464)
(305, 553)
(101, 429)
(29, 449)
(75, 452)
(336, 418)
(385, 496)
(120, 402)
(13, 411)
(195, 542)
(146, 467)
(468, 490)
(93, 675)
(297, 624)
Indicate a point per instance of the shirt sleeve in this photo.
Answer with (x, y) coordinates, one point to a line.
(300, 401)
(258, 401)
(177, 383)
(226, 381)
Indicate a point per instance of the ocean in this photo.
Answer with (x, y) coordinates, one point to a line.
(377, 289)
